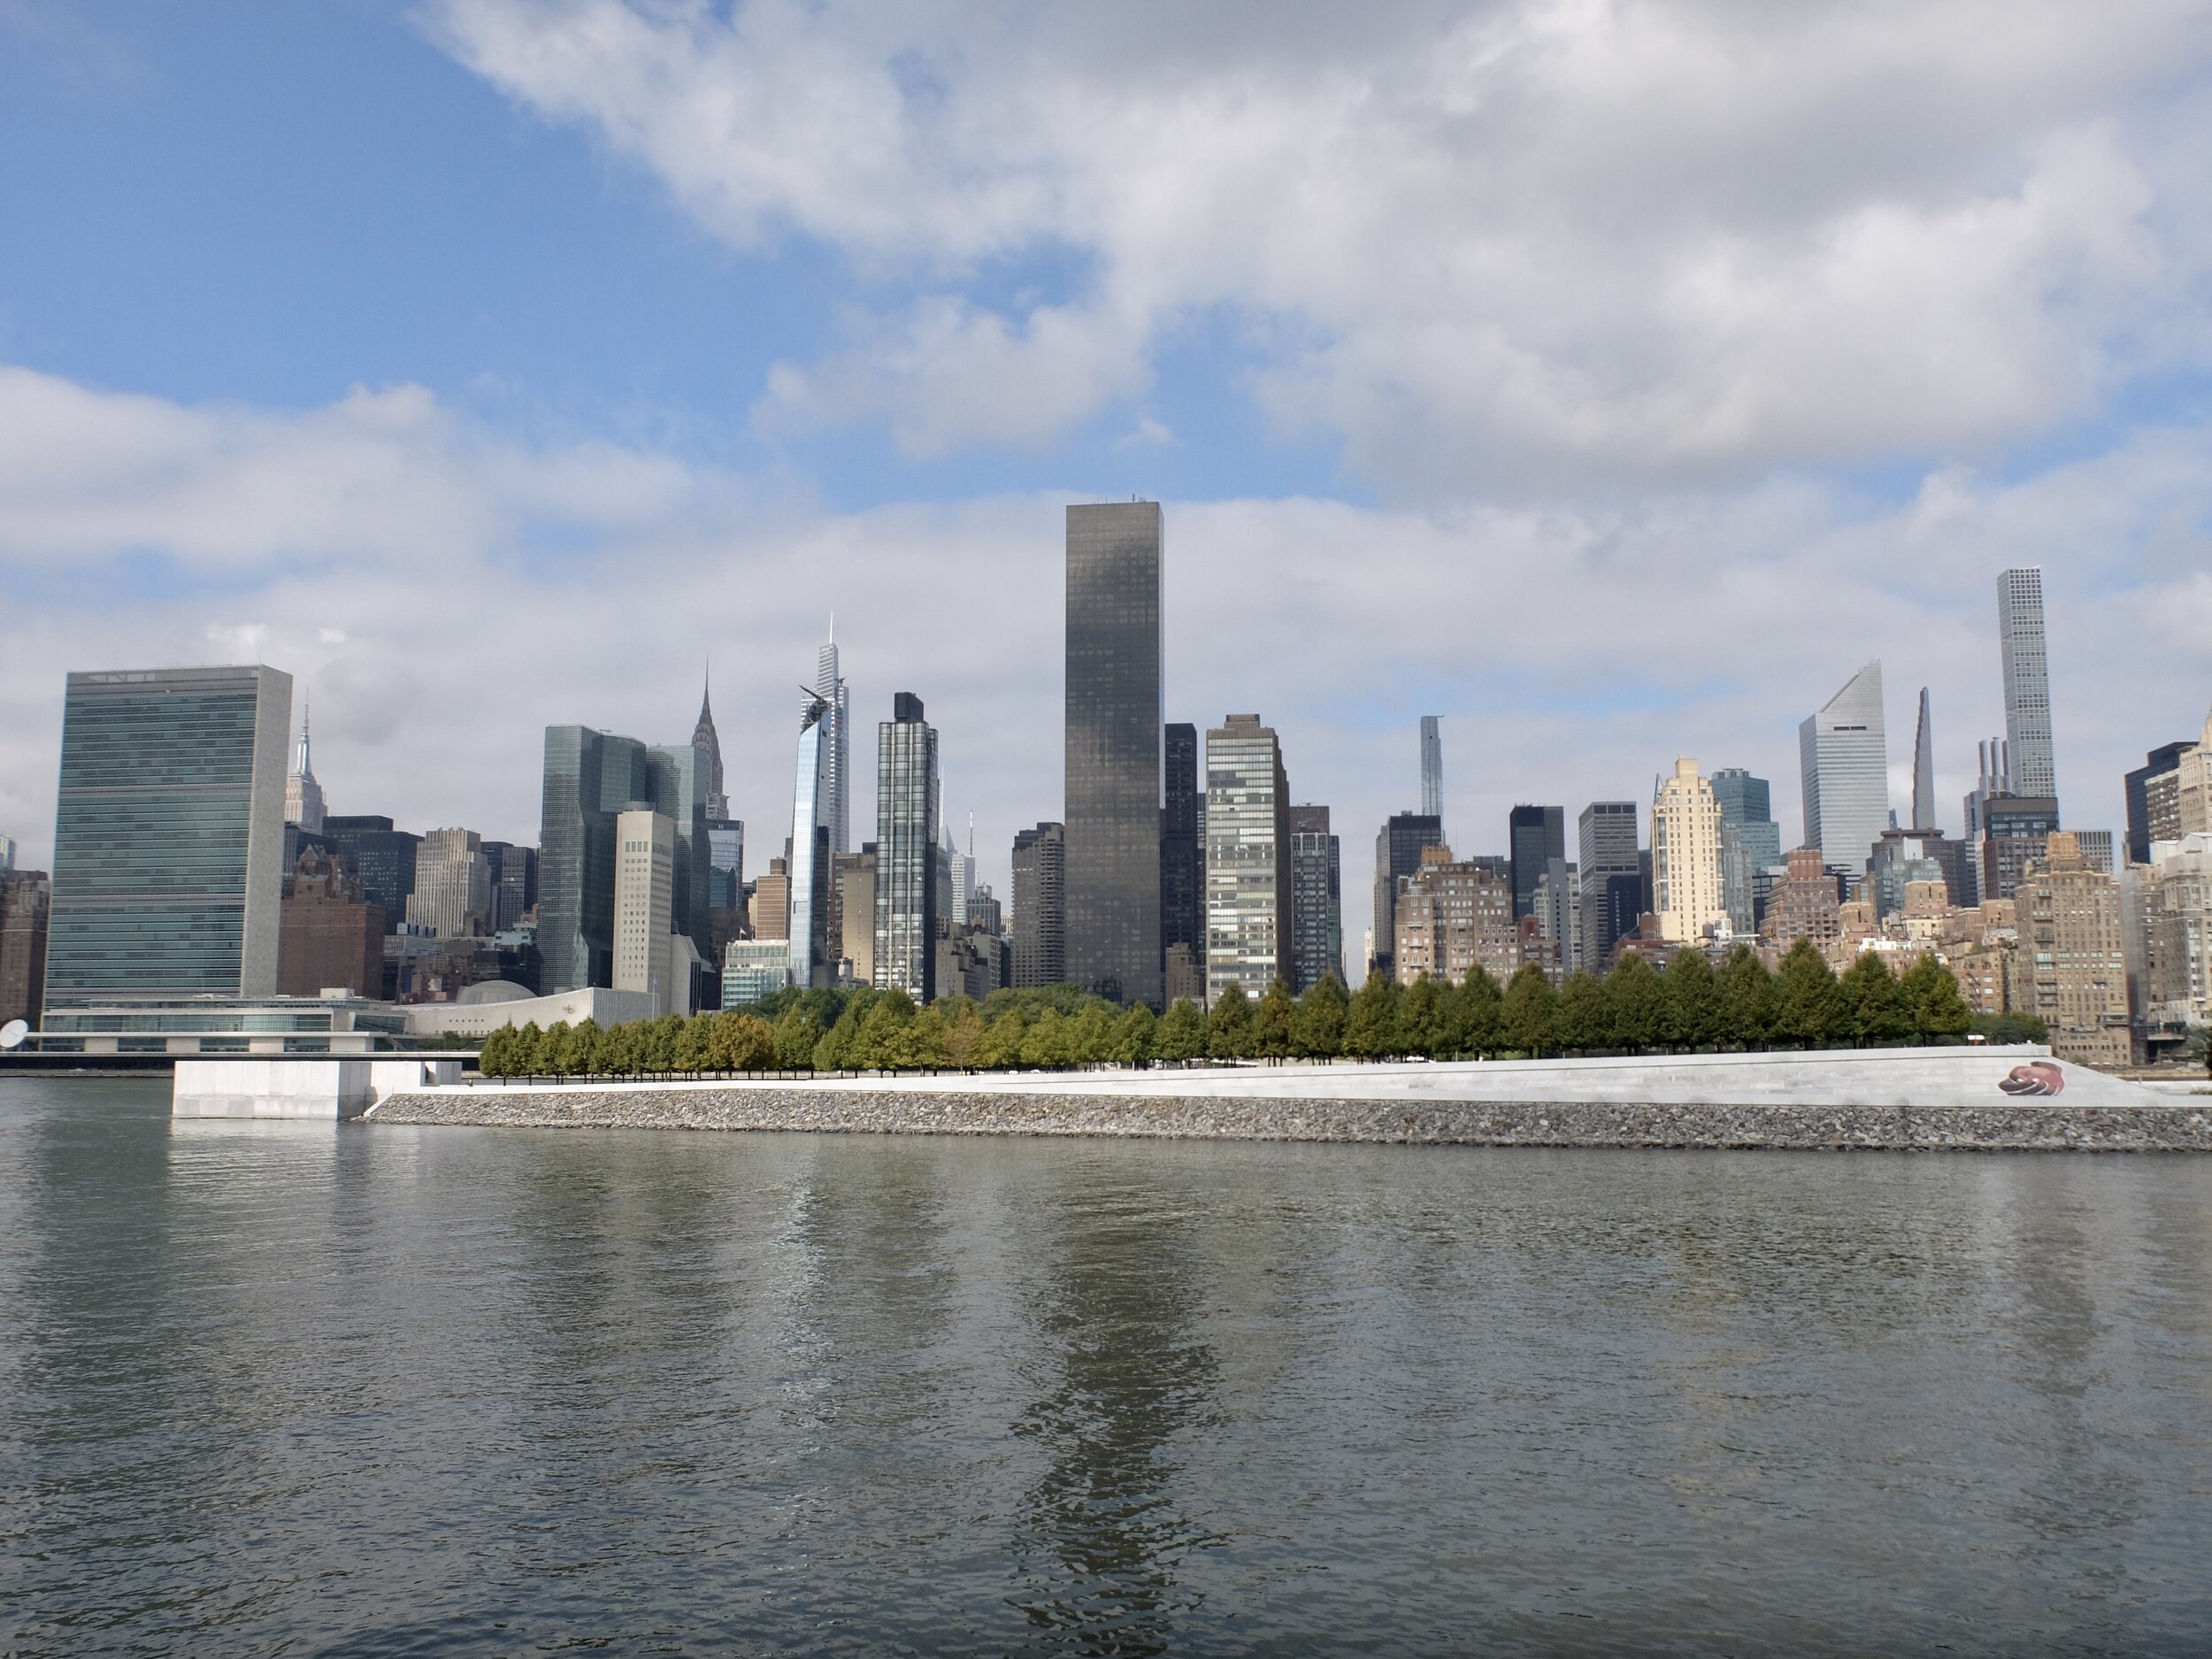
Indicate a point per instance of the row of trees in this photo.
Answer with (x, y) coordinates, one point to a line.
(1634, 1010)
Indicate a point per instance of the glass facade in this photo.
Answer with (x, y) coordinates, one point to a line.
(1317, 899)
(1843, 760)
(168, 833)
(1182, 854)
(1041, 869)
(589, 777)
(1249, 915)
(685, 781)
(1113, 750)
(810, 853)
(906, 851)
(1538, 836)
(2027, 683)
(383, 862)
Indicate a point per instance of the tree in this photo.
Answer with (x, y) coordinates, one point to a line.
(1880, 1012)
(1317, 1030)
(1272, 1022)
(1747, 999)
(798, 1034)
(1808, 1005)
(1932, 1003)
(1531, 1007)
(1002, 1039)
(2007, 1028)
(657, 1043)
(1371, 1021)
(1638, 997)
(492, 1058)
(1421, 1019)
(1478, 1020)
(964, 1033)
(744, 1042)
(1091, 1033)
(1134, 1034)
(1693, 1001)
(1229, 1034)
(695, 1044)
(552, 1047)
(1182, 1034)
(579, 1049)
(1049, 1042)
(1584, 1021)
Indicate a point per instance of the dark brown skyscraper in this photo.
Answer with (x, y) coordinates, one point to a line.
(1040, 865)
(1113, 779)
(1182, 861)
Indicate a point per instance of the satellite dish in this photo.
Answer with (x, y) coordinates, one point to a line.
(12, 1033)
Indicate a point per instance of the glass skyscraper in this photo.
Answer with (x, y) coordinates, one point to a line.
(837, 761)
(1317, 899)
(1536, 836)
(1433, 766)
(906, 850)
(1182, 854)
(169, 835)
(590, 778)
(809, 851)
(1250, 941)
(1843, 755)
(2027, 683)
(1398, 846)
(1113, 750)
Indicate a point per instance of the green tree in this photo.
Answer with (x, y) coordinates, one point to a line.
(744, 1042)
(2010, 1028)
(492, 1057)
(879, 1042)
(657, 1045)
(1584, 1021)
(1090, 1036)
(1050, 1042)
(964, 1033)
(1371, 1021)
(1182, 1034)
(583, 1051)
(1317, 1032)
(1422, 1018)
(1747, 999)
(1134, 1034)
(1693, 1001)
(529, 1051)
(798, 1034)
(1531, 1009)
(695, 1041)
(1637, 997)
(1478, 1021)
(1272, 1022)
(1936, 1010)
(552, 1050)
(1879, 1011)
(1229, 1034)
(1002, 1040)
(1808, 1006)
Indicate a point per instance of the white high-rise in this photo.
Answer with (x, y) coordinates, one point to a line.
(1432, 767)
(452, 895)
(835, 807)
(1685, 874)
(1843, 752)
(1248, 938)
(2027, 682)
(644, 890)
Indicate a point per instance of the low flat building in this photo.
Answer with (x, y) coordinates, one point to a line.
(221, 1024)
(481, 1009)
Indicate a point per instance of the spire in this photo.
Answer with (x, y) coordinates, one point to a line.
(307, 710)
(1923, 805)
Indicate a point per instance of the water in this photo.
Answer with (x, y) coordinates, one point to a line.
(267, 1389)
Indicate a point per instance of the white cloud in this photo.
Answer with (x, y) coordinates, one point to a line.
(1573, 651)
(1521, 245)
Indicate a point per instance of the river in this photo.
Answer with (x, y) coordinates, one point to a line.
(379, 1390)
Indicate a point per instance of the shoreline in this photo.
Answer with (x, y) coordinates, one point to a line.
(2174, 1126)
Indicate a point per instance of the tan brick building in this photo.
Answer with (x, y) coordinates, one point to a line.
(2070, 968)
(1452, 915)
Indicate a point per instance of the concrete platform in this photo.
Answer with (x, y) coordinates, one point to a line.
(313, 1089)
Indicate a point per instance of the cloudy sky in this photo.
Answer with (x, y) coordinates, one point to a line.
(1610, 376)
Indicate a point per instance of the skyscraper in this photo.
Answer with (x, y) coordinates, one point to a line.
(837, 761)
(514, 871)
(1249, 915)
(2154, 800)
(383, 860)
(680, 775)
(1843, 753)
(1182, 855)
(1040, 867)
(1685, 885)
(709, 743)
(1750, 843)
(810, 849)
(1923, 798)
(453, 885)
(1113, 744)
(959, 868)
(590, 778)
(2027, 681)
(1536, 834)
(644, 884)
(169, 833)
(906, 850)
(1397, 848)
(1431, 768)
(330, 937)
(1610, 879)
(1317, 899)
(303, 795)
(25, 898)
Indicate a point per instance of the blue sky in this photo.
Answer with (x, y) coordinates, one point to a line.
(1612, 381)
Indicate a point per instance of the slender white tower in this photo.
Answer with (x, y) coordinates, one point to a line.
(837, 771)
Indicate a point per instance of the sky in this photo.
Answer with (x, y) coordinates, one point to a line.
(1612, 377)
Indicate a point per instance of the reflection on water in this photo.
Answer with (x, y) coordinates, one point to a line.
(377, 1390)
